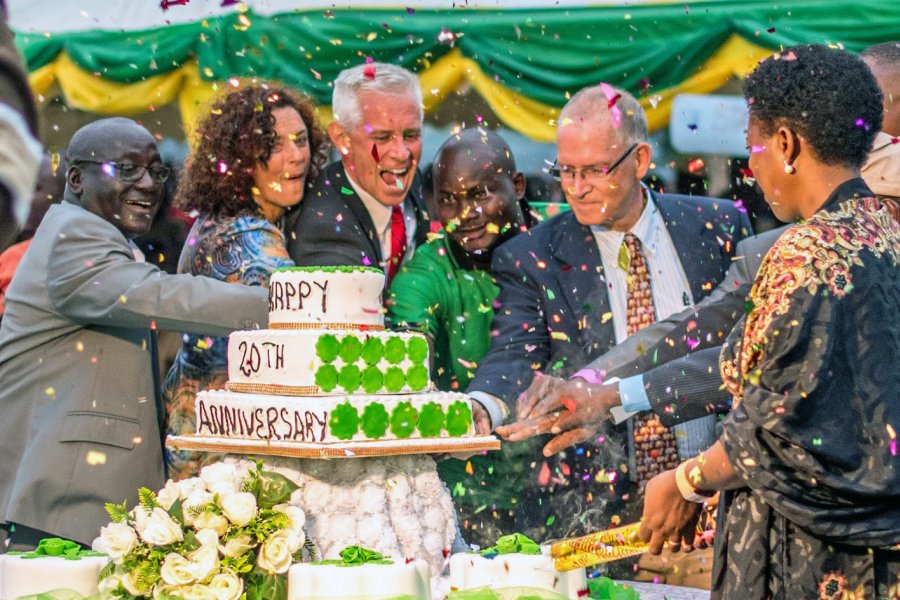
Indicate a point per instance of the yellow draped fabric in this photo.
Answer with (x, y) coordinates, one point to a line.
(90, 92)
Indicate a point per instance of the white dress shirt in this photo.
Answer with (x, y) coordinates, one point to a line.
(381, 218)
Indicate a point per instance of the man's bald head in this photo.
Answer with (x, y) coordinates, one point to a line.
(480, 146)
(609, 106)
(96, 138)
(884, 61)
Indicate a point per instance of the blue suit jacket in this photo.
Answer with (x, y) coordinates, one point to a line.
(549, 315)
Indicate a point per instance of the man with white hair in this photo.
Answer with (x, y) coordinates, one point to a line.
(367, 208)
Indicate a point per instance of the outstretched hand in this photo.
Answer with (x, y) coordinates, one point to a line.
(571, 409)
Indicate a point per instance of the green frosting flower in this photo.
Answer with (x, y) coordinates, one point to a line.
(373, 351)
(57, 547)
(417, 377)
(349, 378)
(352, 556)
(403, 420)
(326, 378)
(394, 350)
(374, 421)
(514, 543)
(394, 379)
(351, 348)
(418, 349)
(604, 588)
(327, 347)
(431, 420)
(344, 421)
(459, 418)
(372, 380)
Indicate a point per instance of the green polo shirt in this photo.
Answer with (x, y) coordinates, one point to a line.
(434, 293)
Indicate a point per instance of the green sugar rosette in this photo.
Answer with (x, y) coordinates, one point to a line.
(327, 377)
(349, 378)
(374, 421)
(372, 380)
(394, 379)
(431, 420)
(459, 418)
(344, 421)
(394, 350)
(372, 351)
(327, 347)
(351, 348)
(417, 349)
(417, 378)
(403, 420)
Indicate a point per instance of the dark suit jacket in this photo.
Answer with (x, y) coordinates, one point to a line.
(552, 301)
(682, 379)
(331, 226)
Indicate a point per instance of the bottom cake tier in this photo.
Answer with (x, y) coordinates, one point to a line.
(333, 419)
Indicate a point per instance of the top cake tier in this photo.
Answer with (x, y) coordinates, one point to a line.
(326, 298)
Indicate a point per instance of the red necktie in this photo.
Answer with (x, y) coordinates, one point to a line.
(398, 241)
(655, 449)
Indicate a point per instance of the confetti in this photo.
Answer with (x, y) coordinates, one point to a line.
(375, 153)
(369, 71)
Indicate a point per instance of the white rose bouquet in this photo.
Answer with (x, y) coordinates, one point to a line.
(230, 534)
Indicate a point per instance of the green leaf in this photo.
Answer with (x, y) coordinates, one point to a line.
(176, 511)
(148, 499)
(190, 542)
(107, 571)
(274, 488)
(117, 512)
(266, 586)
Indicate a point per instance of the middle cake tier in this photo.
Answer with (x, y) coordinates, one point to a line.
(319, 362)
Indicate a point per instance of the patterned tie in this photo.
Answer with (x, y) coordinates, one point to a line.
(655, 449)
(398, 242)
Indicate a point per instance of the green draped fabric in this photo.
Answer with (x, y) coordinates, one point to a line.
(541, 53)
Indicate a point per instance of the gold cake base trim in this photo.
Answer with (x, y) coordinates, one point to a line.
(342, 326)
(348, 449)
(272, 389)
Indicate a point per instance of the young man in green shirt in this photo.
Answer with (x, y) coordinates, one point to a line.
(446, 291)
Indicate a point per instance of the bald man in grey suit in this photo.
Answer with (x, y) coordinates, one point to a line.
(80, 412)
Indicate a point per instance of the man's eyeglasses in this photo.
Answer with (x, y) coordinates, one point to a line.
(568, 174)
(129, 172)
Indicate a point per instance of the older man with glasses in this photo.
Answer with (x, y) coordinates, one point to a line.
(80, 408)
(578, 284)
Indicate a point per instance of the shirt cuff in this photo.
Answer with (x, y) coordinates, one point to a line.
(496, 408)
(590, 375)
(634, 396)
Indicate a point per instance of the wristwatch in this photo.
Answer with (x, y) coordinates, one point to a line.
(688, 491)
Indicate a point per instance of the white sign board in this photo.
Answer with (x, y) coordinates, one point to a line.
(709, 124)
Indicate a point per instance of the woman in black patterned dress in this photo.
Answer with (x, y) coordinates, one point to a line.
(807, 458)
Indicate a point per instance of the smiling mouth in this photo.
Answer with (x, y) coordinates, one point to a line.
(142, 203)
(393, 177)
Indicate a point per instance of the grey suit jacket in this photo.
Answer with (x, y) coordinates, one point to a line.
(332, 226)
(679, 357)
(80, 399)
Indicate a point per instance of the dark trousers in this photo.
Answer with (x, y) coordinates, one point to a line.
(26, 539)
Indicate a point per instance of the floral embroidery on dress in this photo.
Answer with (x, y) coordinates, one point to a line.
(820, 253)
(832, 586)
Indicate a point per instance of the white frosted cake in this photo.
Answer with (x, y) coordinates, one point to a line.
(21, 576)
(469, 570)
(326, 372)
(399, 579)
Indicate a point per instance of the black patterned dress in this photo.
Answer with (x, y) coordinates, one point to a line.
(815, 373)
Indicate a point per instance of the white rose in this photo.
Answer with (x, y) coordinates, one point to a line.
(239, 508)
(218, 472)
(116, 540)
(109, 584)
(195, 502)
(294, 513)
(186, 487)
(237, 546)
(130, 585)
(227, 586)
(204, 562)
(210, 520)
(275, 554)
(168, 495)
(296, 538)
(176, 570)
(159, 529)
(208, 537)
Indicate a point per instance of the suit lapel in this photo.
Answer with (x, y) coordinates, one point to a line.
(689, 234)
(342, 186)
(579, 279)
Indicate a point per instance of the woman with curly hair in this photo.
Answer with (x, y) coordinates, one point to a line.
(257, 151)
(807, 458)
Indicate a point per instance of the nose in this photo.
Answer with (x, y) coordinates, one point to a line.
(146, 181)
(399, 148)
(579, 184)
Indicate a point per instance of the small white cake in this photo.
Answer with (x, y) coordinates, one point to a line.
(29, 576)
(512, 570)
(307, 581)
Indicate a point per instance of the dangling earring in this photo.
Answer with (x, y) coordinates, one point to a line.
(789, 168)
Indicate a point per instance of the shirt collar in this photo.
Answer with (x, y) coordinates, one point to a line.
(852, 188)
(381, 214)
(646, 229)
